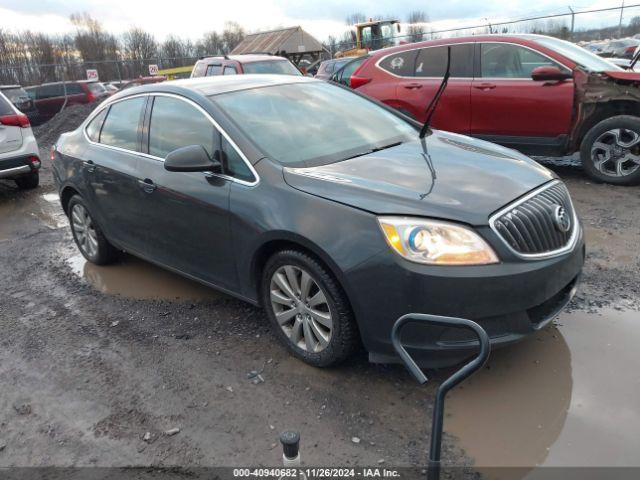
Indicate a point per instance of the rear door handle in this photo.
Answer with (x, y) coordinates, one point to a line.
(412, 86)
(89, 166)
(147, 185)
(485, 86)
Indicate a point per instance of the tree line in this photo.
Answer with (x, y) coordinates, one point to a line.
(30, 58)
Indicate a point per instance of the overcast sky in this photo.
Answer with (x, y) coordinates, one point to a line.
(191, 18)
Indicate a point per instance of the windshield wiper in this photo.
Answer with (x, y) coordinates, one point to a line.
(436, 98)
(372, 150)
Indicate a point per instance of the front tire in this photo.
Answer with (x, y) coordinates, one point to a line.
(87, 234)
(610, 151)
(309, 311)
(28, 182)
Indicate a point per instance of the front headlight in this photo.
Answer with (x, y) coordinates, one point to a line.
(435, 242)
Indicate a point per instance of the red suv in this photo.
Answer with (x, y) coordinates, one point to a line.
(50, 97)
(537, 94)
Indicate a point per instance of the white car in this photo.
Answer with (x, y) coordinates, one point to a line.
(19, 155)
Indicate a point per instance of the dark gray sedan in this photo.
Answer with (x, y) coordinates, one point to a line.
(325, 208)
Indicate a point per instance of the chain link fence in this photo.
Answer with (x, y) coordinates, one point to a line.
(622, 21)
(107, 70)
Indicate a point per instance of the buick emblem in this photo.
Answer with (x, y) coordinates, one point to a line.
(562, 219)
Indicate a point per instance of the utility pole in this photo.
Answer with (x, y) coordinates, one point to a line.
(573, 20)
(620, 23)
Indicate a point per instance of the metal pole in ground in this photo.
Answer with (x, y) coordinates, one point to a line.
(459, 376)
(620, 22)
(573, 20)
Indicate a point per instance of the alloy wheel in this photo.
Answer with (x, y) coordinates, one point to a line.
(616, 152)
(301, 308)
(84, 230)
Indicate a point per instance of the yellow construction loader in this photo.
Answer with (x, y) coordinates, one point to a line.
(372, 35)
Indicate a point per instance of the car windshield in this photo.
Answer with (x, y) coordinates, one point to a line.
(579, 55)
(310, 124)
(15, 94)
(271, 66)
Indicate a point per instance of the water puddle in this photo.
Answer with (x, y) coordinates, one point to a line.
(135, 278)
(569, 396)
(19, 213)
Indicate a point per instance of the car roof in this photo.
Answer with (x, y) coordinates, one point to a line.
(509, 37)
(217, 84)
(245, 58)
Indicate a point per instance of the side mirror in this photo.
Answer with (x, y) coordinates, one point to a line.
(549, 74)
(193, 158)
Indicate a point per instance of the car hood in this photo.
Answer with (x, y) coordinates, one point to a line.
(625, 75)
(447, 176)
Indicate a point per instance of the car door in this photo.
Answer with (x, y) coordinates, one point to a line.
(506, 102)
(188, 211)
(110, 171)
(419, 75)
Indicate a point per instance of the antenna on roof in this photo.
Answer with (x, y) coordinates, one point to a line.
(226, 57)
(434, 102)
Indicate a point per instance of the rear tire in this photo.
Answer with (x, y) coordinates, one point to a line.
(88, 236)
(318, 326)
(29, 181)
(610, 151)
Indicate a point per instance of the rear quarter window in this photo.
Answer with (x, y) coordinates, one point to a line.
(120, 128)
(95, 125)
(5, 107)
(199, 69)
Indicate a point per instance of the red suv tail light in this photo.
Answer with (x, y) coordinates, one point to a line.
(18, 120)
(355, 81)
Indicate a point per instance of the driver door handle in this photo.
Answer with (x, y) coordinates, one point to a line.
(485, 86)
(413, 86)
(147, 185)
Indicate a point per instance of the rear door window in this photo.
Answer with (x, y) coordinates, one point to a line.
(432, 61)
(175, 124)
(50, 91)
(120, 128)
(214, 70)
(73, 89)
(230, 70)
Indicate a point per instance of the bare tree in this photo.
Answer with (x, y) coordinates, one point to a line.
(95, 47)
(176, 52)
(417, 21)
(210, 44)
(140, 49)
(232, 35)
(354, 18)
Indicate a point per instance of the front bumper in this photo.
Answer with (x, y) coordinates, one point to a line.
(510, 300)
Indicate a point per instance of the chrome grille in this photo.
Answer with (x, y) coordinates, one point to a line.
(535, 225)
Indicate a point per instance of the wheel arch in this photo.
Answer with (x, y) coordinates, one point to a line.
(279, 241)
(65, 197)
(603, 111)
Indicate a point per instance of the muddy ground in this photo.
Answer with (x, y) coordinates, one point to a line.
(97, 364)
